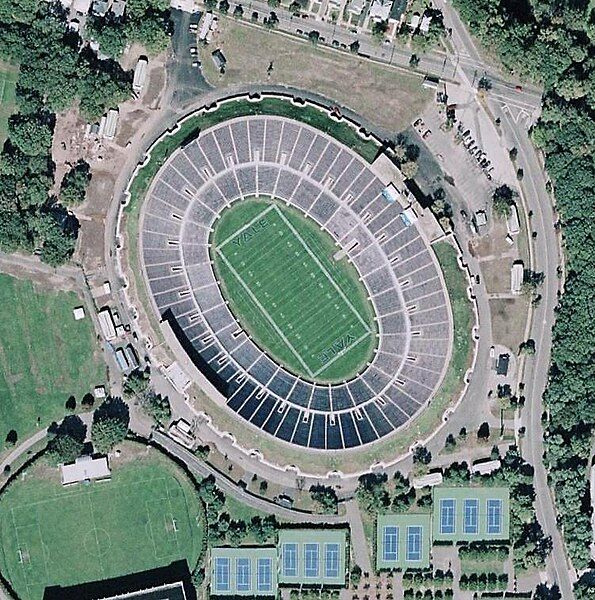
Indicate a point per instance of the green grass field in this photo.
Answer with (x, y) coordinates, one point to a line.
(8, 80)
(45, 356)
(145, 517)
(305, 308)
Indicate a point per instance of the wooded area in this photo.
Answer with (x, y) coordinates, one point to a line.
(552, 41)
(57, 69)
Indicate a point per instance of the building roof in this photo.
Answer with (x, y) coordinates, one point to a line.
(177, 377)
(219, 58)
(118, 8)
(486, 467)
(380, 10)
(502, 364)
(140, 74)
(424, 26)
(111, 124)
(85, 468)
(81, 6)
(403, 541)
(169, 591)
(517, 273)
(397, 9)
(244, 571)
(312, 556)
(429, 480)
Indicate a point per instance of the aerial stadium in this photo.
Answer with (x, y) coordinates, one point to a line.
(297, 281)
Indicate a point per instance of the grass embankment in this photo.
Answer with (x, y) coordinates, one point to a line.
(146, 517)
(45, 356)
(387, 97)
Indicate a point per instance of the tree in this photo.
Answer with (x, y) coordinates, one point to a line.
(326, 497)
(483, 433)
(414, 61)
(371, 492)
(109, 34)
(31, 134)
(295, 7)
(238, 11)
(73, 188)
(502, 200)
(70, 404)
(512, 154)
(11, 438)
(450, 442)
(66, 440)
(274, 3)
(110, 424)
(224, 6)
(379, 28)
(156, 406)
(484, 84)
(422, 456)
(314, 36)
(354, 47)
(409, 169)
(355, 575)
(528, 347)
(136, 384)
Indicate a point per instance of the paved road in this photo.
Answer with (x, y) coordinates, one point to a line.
(202, 469)
(536, 374)
(434, 63)
(546, 259)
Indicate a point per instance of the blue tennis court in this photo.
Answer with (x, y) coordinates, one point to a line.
(447, 515)
(264, 580)
(494, 516)
(414, 534)
(243, 575)
(222, 579)
(312, 560)
(390, 543)
(331, 560)
(290, 560)
(471, 520)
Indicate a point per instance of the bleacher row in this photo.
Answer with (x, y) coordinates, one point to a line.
(273, 156)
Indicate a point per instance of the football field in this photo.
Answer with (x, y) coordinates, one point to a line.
(145, 517)
(291, 291)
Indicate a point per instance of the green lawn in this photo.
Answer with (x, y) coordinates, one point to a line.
(145, 517)
(8, 80)
(305, 308)
(45, 356)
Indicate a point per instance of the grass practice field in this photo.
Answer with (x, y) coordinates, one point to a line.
(300, 304)
(145, 517)
(8, 80)
(45, 356)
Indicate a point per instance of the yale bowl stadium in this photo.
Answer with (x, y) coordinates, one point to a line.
(295, 283)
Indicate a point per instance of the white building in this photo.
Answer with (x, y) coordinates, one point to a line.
(424, 25)
(140, 75)
(485, 468)
(106, 323)
(206, 26)
(78, 313)
(517, 273)
(177, 377)
(512, 222)
(111, 124)
(356, 7)
(414, 23)
(380, 10)
(429, 480)
(85, 468)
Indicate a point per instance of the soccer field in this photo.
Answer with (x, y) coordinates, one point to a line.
(45, 356)
(280, 274)
(145, 517)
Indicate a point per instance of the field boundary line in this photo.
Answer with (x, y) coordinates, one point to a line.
(323, 269)
(342, 353)
(245, 226)
(96, 536)
(264, 312)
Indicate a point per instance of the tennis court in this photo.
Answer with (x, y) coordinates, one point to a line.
(312, 556)
(403, 541)
(284, 284)
(471, 513)
(145, 517)
(244, 571)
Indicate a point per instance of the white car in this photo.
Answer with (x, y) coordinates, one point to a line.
(196, 64)
(193, 50)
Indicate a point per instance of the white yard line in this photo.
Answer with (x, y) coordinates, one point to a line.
(249, 224)
(322, 268)
(342, 353)
(264, 312)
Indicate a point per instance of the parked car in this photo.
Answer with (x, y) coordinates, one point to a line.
(193, 50)
(196, 64)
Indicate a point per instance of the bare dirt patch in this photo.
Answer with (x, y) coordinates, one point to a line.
(509, 316)
(385, 96)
